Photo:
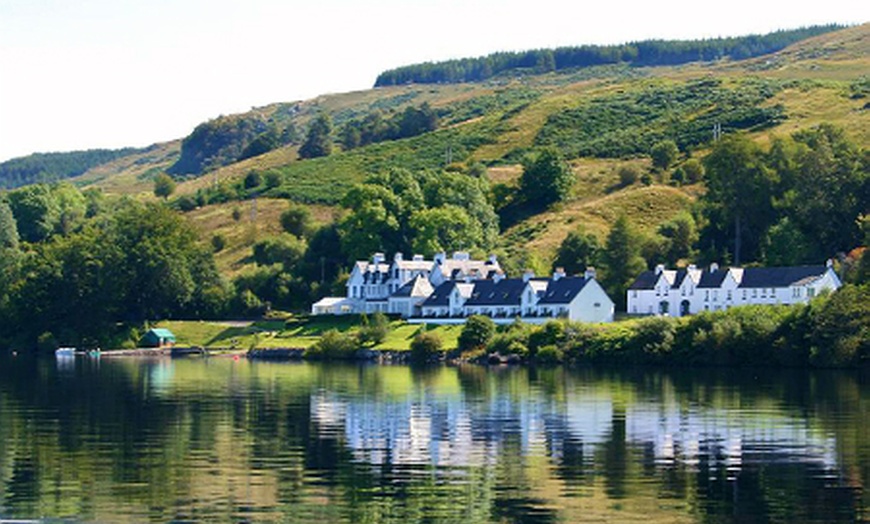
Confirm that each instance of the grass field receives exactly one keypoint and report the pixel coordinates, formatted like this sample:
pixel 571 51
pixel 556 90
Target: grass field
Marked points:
pixel 296 332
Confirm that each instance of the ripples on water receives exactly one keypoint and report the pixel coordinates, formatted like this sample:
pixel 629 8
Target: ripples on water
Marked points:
pixel 218 440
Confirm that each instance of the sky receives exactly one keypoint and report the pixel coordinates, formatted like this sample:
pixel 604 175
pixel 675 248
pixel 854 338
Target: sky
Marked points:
pixel 83 74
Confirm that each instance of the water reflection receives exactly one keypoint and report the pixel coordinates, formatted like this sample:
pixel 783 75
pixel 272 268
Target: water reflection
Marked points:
pixel 217 440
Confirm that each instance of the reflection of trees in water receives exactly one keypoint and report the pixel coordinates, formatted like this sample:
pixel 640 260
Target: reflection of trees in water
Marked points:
pixel 506 444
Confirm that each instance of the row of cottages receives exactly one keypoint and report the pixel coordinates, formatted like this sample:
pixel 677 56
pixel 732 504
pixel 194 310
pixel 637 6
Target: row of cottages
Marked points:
pixel 691 290
pixel 534 300
pixel 400 286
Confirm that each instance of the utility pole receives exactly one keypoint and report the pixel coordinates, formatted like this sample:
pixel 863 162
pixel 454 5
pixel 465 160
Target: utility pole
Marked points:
pixel 717 131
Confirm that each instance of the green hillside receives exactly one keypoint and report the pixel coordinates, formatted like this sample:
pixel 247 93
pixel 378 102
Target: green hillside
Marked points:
pixel 603 117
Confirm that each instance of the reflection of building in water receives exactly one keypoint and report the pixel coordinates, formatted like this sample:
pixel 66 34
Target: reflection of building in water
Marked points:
pixel 456 432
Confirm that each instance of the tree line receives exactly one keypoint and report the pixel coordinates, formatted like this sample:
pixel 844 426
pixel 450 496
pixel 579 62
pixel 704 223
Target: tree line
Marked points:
pixel 645 53
pixel 50 167
pixel 81 270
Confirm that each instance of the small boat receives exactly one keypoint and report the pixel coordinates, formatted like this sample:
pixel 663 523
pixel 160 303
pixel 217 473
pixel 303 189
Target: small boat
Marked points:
pixel 65 352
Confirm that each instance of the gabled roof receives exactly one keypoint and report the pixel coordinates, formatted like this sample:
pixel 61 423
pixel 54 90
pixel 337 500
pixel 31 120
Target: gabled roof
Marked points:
pixel 440 296
pixel 161 332
pixel 563 291
pixel 759 277
pixel 646 280
pixel 505 292
pixel 712 279
pixel 418 286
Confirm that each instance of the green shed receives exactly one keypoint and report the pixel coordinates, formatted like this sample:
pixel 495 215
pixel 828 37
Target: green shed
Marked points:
pixel 157 338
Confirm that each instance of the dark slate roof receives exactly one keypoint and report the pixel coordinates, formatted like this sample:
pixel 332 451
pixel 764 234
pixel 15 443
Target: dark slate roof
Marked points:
pixel 441 296
pixel 681 275
pixel 758 277
pixel 712 279
pixel 563 291
pixel 646 280
pixel 491 293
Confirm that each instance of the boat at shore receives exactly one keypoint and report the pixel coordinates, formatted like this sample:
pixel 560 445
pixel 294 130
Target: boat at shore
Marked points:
pixel 65 352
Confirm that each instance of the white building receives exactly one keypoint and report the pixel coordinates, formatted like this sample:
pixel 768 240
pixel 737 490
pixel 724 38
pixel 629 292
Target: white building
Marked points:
pixel 687 291
pixel 534 300
pixel 399 287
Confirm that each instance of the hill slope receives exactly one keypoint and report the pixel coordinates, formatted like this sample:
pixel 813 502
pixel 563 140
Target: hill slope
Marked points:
pixel 603 118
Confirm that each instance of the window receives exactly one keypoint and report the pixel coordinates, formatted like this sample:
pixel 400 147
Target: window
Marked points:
pixel 715 295
pixel 706 295
pixel 683 291
pixel 811 292
pixel 764 292
pixel 744 294
pixel 633 294
pixel 729 294
pixel 754 293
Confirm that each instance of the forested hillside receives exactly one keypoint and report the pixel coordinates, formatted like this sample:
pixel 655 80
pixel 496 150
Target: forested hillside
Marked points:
pixel 48 167
pixel 646 53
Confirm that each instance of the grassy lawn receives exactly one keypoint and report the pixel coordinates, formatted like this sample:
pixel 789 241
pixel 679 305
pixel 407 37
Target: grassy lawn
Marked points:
pixel 297 332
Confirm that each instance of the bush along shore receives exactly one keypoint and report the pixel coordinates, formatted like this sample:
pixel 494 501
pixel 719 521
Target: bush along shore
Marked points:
pixel 832 331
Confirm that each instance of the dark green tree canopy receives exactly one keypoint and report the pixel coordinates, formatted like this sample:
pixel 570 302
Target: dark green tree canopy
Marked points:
pixel 8 228
pixel 318 141
pixel 622 259
pixel 664 154
pixel 578 251
pixel 546 178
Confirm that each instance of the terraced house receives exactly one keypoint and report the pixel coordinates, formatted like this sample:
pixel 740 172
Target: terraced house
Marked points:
pixel 679 292
pixel 534 300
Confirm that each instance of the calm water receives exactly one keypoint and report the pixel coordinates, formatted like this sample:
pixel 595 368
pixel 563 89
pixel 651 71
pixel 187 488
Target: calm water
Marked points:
pixel 223 441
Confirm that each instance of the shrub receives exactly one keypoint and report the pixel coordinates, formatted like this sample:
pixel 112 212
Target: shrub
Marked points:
pixel 374 332
pixel 693 170
pixel 549 354
pixel 476 333
pixel 628 175
pixel 253 179
pixel 218 243
pixel 664 154
pixel 333 344
pixel 425 347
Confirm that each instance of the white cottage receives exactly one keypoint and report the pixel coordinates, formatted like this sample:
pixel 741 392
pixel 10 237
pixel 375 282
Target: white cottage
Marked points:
pixel 686 291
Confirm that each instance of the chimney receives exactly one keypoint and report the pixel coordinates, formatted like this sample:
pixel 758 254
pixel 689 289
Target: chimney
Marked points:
pixel 692 267
pixel 461 255
pixel 397 257
pixel 659 269
pixel 558 273
pixel 378 258
pixel 829 262
pixel 498 276
pixel 528 275
pixel 440 257
pixel 714 267
pixel 493 260
pixel 418 258
pixel 590 272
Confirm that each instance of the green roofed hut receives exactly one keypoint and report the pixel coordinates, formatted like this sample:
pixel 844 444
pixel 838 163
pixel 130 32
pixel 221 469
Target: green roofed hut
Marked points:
pixel 158 338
